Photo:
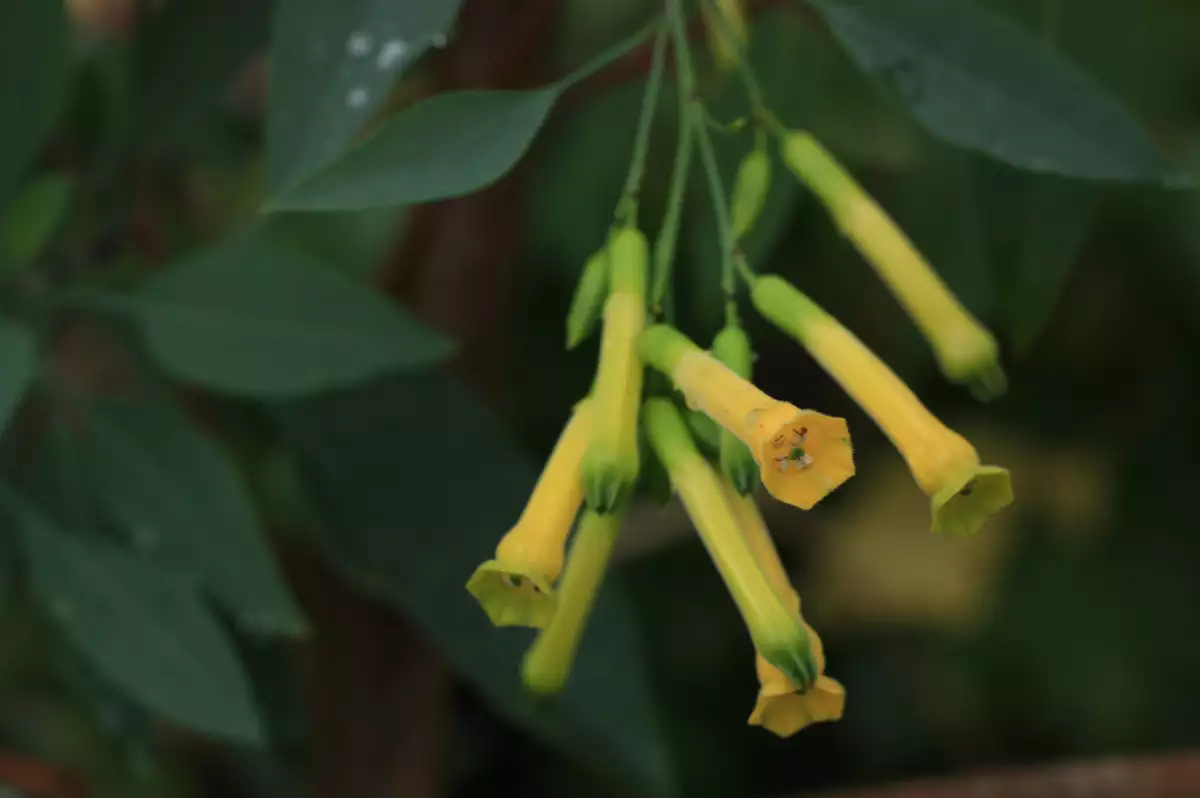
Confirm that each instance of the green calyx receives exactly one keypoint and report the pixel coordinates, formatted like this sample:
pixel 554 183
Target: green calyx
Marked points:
pixel 750 189
pixel 782 304
pixel 790 650
pixel 732 347
pixel 662 347
pixel 816 167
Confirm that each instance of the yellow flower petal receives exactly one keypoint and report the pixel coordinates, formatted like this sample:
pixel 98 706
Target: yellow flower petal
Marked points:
pixel 783 710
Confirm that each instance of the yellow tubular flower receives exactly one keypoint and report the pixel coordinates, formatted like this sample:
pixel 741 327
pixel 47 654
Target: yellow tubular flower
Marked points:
pixel 777 632
pixel 966 352
pixel 515 589
pixel 548 662
pixel 802 455
pixel 781 707
pixel 963 492
pixel 610 467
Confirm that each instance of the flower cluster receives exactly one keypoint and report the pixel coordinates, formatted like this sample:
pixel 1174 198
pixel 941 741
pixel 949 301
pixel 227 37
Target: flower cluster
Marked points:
pixel 727 436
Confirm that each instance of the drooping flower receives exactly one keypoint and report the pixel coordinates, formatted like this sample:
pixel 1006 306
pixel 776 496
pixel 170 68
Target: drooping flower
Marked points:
pixel 966 352
pixel 802 455
pixel 548 662
pixel 516 588
pixel 610 467
pixel 778 634
pixel 963 492
pixel 781 706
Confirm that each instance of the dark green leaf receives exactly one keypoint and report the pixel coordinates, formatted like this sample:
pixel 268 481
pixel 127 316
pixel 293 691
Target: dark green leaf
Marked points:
pixel 446 146
pixel 938 205
pixel 187 56
pixel 353 243
pixel 333 63
pixel 33 80
pixel 32 219
pixel 18 366
pixel 177 497
pixel 1055 219
pixel 255 319
pixel 145 629
pixel 421 482
pixel 979 81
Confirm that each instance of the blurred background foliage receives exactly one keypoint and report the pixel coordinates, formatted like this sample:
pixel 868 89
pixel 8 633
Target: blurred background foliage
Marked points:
pixel 235 567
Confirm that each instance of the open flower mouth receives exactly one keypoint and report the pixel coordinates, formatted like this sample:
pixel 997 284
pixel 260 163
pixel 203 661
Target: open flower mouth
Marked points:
pixel 965 502
pixel 803 455
pixel 512 595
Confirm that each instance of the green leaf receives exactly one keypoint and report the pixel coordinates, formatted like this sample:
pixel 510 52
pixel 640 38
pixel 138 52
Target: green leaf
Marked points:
pixel 34 60
pixel 333 63
pixel 18 366
pixel 1054 222
pixel 32 218
pixel 177 497
pixel 446 146
pixel 938 205
pixel 186 56
pixel 255 319
pixel 979 81
pixel 420 482
pixel 145 629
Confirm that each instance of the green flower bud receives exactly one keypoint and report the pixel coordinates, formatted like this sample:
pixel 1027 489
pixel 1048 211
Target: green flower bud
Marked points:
pixel 588 302
pixel 750 191
pixel 732 347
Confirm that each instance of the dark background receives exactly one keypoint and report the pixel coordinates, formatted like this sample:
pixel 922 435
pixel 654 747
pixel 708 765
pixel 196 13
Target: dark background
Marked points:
pixel 1065 631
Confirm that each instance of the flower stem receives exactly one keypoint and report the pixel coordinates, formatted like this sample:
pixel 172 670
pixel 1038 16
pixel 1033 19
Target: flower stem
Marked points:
pixel 698 120
pixel 668 237
pixel 754 92
pixel 628 204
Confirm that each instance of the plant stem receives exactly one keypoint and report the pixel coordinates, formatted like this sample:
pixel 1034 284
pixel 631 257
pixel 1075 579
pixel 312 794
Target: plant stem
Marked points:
pixel 698 121
pixel 668 237
pixel 628 204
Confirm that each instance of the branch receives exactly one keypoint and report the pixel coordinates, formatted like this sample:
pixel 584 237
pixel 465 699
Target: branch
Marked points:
pixel 1168 776
pixel 37 779
pixel 637 63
